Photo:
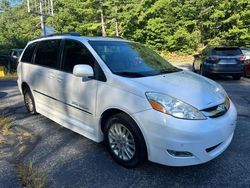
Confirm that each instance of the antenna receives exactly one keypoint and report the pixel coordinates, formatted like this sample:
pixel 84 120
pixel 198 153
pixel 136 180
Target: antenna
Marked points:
pixel 43 8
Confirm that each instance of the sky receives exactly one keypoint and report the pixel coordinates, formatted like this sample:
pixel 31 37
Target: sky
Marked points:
pixel 15 2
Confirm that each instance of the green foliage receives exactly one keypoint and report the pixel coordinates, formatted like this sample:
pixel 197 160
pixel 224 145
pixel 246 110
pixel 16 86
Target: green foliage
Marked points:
pixel 17 27
pixel 165 25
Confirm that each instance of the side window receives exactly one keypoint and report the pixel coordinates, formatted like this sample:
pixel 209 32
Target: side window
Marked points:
pixel 75 53
pixel 28 53
pixel 48 53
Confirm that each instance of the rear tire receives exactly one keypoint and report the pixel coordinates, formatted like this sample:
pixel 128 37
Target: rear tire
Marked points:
pixel 194 68
pixel 125 141
pixel 236 77
pixel 29 101
pixel 202 72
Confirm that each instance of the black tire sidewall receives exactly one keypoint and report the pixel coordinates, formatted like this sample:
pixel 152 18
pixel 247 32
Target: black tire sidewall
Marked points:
pixel 140 151
pixel 202 71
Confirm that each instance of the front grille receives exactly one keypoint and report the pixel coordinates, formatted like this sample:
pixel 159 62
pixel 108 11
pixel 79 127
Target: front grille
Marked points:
pixel 217 110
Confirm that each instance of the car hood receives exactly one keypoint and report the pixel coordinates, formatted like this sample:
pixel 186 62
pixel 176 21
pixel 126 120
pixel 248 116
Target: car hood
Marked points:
pixel 186 86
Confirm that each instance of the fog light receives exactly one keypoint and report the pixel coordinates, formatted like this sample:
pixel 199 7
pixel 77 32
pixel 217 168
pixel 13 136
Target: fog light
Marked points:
pixel 179 153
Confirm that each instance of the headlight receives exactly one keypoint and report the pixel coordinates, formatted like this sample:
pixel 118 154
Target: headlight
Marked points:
pixel 172 106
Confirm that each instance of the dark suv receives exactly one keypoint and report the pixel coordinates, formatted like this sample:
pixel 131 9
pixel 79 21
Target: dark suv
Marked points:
pixel 14 56
pixel 220 60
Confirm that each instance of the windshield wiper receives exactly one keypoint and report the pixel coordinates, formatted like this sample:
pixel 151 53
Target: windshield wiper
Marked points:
pixel 130 74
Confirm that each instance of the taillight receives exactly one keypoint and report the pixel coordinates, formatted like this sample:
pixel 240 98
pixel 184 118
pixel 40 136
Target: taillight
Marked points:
pixel 212 58
pixel 242 58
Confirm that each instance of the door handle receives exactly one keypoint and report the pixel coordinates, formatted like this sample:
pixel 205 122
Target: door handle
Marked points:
pixel 59 79
pixel 51 76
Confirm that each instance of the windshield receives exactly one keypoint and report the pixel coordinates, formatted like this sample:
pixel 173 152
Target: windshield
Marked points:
pixel 19 52
pixel 131 59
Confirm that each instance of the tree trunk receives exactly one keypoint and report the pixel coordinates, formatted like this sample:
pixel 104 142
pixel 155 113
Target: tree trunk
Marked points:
pixel 102 21
pixel 116 23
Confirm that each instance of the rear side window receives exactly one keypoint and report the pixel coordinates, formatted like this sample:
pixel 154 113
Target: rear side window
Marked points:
pixel 28 53
pixel 226 52
pixel 75 53
pixel 48 53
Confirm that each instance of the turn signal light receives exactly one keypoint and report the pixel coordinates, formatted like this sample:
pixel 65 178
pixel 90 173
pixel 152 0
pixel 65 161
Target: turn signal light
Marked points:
pixel 158 107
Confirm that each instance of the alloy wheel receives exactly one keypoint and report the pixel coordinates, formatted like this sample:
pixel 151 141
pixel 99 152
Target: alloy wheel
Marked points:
pixel 121 141
pixel 28 102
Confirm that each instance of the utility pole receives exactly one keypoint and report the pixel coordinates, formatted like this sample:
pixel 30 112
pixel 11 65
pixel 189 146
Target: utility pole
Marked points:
pixel 43 18
pixel 43 8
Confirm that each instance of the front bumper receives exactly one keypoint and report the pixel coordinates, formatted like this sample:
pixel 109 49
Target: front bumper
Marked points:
pixel 226 69
pixel 198 137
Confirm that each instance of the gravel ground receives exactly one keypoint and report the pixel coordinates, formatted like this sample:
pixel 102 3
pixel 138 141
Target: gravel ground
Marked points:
pixel 71 160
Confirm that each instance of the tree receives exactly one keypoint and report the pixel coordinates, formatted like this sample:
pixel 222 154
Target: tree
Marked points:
pixel 17 27
pixel 165 25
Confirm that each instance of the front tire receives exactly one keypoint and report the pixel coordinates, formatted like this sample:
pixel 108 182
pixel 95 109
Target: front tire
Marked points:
pixel 125 141
pixel 29 101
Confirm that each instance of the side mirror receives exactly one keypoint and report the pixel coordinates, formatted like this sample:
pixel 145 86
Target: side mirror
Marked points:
pixel 84 71
pixel 196 56
pixel 15 57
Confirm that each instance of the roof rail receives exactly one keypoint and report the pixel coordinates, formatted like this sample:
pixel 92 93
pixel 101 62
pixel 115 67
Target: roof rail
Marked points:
pixel 64 33
pixel 61 34
pixel 114 36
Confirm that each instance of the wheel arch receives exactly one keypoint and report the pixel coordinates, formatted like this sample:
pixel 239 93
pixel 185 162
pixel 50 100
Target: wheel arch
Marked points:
pixel 24 86
pixel 108 113
pixel 112 111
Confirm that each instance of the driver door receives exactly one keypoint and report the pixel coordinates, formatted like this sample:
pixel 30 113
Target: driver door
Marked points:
pixel 77 94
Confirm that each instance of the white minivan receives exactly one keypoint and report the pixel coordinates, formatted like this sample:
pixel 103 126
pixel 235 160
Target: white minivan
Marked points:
pixel 123 93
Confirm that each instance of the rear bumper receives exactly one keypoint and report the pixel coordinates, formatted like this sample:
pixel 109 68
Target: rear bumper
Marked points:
pixel 226 69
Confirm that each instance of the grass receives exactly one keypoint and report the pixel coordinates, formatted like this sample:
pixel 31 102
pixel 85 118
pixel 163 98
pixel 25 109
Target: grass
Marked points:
pixel 30 176
pixel 175 58
pixel 9 76
pixel 5 125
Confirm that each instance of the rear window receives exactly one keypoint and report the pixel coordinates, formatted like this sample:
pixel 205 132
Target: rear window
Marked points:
pixel 28 53
pixel 226 52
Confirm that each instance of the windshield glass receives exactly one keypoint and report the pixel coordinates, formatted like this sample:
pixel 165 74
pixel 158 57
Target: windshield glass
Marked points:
pixel 131 59
pixel 19 52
